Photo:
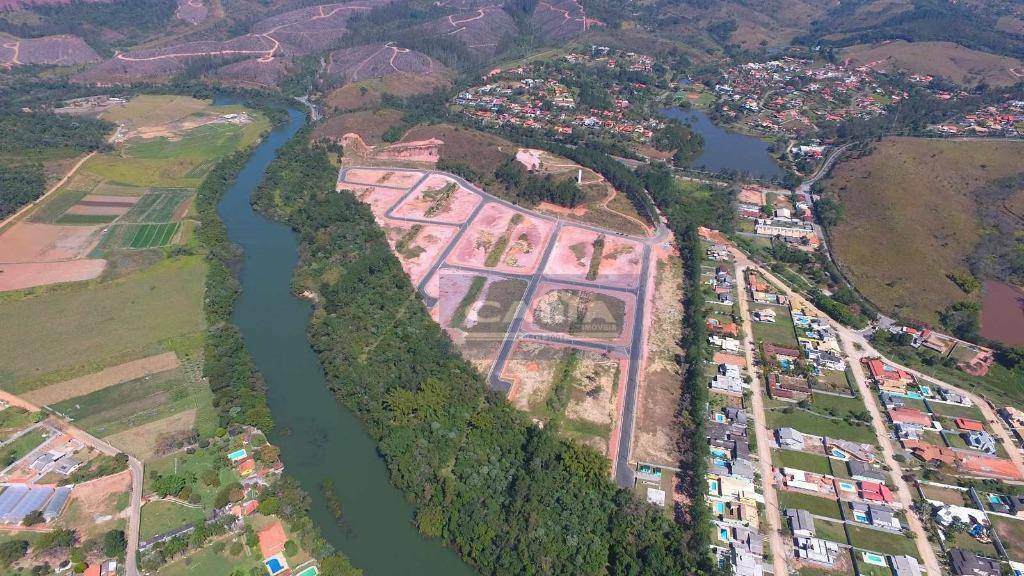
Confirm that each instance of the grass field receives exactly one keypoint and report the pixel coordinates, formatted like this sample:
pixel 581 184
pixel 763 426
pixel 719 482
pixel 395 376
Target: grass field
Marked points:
pixel 947 59
pixel 70 330
pixel 203 459
pixel 964 540
pixel 947 495
pixel 207 562
pixel 801 461
pixel 134 403
pixel 17 449
pixel 1011 532
pixel 832 531
pixel 779 332
pixel 819 425
pixel 880 541
pixel 957 411
pixel 815 505
pixel 13 419
pixel 932 184
pixel 162 516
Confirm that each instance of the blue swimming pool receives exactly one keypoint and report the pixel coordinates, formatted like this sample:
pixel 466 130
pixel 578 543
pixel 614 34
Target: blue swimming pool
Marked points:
pixel 237 454
pixel 847 487
pixel 719 507
pixel 876 559
pixel 786 364
pixel 274 564
pixel 995 499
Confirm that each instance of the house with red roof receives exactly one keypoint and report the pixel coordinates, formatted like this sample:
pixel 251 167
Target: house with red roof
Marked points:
pixel 969 425
pixel 910 416
pixel 247 467
pixel 990 467
pixel 875 492
pixel 272 539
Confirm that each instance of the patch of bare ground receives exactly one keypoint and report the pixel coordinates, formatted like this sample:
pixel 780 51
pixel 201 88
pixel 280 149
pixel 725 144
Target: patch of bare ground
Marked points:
pixel 156 438
pixel 531 367
pixel 105 378
pixel 591 413
pixel 949 60
pixel 656 439
pixel 367 93
pixel 98 505
pixel 381 60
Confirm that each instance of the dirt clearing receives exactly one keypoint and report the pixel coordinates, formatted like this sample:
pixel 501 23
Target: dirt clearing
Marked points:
pixel 32 274
pixel 144 442
pixel 105 378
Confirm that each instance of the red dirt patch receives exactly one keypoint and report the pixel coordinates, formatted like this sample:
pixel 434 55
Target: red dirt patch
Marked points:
pixel 556 305
pixel 35 242
pixel 574 249
pixel 1002 313
pixel 420 248
pixel 31 274
pixel 382 177
pixel 441 199
pixel 524 240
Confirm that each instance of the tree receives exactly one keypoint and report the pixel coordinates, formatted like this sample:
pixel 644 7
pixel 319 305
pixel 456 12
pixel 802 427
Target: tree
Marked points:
pixel 12 551
pixel 338 566
pixel 114 543
pixel 33 518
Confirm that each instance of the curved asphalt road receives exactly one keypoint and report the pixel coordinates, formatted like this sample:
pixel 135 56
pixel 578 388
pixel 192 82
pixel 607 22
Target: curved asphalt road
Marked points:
pixel 624 473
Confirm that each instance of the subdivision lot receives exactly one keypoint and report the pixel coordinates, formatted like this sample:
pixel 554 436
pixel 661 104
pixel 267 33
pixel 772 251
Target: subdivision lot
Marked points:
pixel 617 263
pixel 1011 532
pixel 813 504
pixel 162 516
pixel 477 313
pixel 805 461
pixel 819 424
pixel 504 239
pixel 881 541
pixel 98 505
pixel 440 199
pixel 382 177
pixel 67 331
pixel 417 246
pixel 605 316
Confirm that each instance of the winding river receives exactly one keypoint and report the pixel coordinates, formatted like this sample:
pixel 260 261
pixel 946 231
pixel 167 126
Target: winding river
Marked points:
pixel 319 439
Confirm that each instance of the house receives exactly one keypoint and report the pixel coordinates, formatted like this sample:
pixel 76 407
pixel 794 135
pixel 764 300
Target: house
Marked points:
pixel 931 453
pixel 746 564
pixel 795 478
pixel 728 385
pixel 67 465
pixel 910 416
pixel 981 441
pixel 771 351
pixel 826 360
pixel 904 565
pixel 863 471
pixel 800 521
pixel 906 431
pixel 272 539
pixel 730 345
pixel 969 425
pixel 816 550
pixel 990 467
pixel 741 468
pixel 767 315
pixel 725 298
pixel 746 540
pixel 730 329
pixel 1013 416
pixel 875 492
pixel 967 563
pixel 950 395
pixel 789 438
pixel 847 450
pixel 890 400
pixel 888 378
pixel 788 387
pixel 875 515
pixel 946 514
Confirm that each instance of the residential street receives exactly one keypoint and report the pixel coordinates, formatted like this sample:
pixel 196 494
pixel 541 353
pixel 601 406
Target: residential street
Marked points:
pixel 761 431
pixel 902 489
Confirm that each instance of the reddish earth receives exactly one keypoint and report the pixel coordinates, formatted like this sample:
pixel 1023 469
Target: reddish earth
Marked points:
pixel 559 19
pixel 453 210
pixel 254 72
pixel 380 199
pixel 383 177
pixel 421 251
pixel 62 50
pixel 597 314
pixel 16 4
pixel 620 262
pixel 1002 313
pixel 378 61
pixel 480 29
pixel 526 242
pixel 34 242
pixel 30 274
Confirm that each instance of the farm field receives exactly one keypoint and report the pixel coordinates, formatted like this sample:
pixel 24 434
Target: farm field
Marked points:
pixel 71 330
pixel 931 183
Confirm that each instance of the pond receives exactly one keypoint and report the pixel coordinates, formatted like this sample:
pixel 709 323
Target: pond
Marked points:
pixel 725 150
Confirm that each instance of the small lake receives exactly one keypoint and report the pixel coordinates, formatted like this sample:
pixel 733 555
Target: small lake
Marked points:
pixel 318 438
pixel 725 150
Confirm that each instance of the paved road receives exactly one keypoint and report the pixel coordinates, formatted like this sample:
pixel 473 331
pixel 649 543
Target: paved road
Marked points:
pixel 903 492
pixel 623 471
pixel 780 549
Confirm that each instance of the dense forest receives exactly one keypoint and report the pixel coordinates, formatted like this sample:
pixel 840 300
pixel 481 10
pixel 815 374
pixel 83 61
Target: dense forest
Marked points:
pixel 101 24
pixel 29 132
pixel 19 185
pixel 510 497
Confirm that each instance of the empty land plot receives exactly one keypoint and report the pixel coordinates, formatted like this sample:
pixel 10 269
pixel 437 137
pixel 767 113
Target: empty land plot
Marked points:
pixel 14 420
pixel 881 541
pixel 657 436
pixel 477 311
pixel 582 313
pixel 103 379
pixel 378 198
pixel 503 239
pixel 814 504
pixel 70 330
pixel 147 110
pixel 188 464
pixel 956 411
pixel 133 403
pixel 581 254
pixel 147 441
pixel 441 199
pixel 805 461
pixel 932 184
pixel 98 505
pixel 947 495
pixel 780 332
pixel 162 516
pixel 1011 532
pixel 418 246
pixel 819 424
pixel 383 177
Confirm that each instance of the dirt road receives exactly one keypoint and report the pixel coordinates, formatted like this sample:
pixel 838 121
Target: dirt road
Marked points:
pixel 761 432
pixel 903 491
pixel 51 190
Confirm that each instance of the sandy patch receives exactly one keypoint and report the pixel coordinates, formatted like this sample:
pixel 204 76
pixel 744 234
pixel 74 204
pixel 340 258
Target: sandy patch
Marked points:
pixel 34 242
pixel 587 314
pixel 417 246
pixel 105 378
pixel 518 237
pixel 380 199
pixel 529 158
pixel 441 199
pixel 595 399
pixel 93 506
pixel 143 442
pixel 30 274
pixel 621 259
pixel 531 368
pixel 383 177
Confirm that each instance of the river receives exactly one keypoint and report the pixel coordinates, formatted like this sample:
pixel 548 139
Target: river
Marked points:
pixel 318 438
pixel 725 150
